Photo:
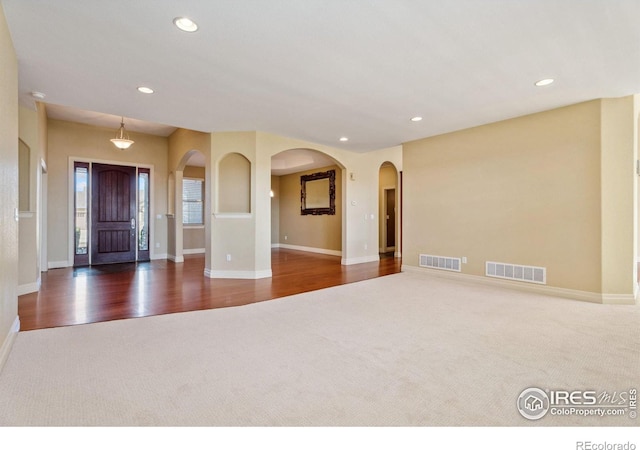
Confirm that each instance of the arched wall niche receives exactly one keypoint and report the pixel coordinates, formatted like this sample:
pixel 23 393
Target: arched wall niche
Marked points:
pixel 233 184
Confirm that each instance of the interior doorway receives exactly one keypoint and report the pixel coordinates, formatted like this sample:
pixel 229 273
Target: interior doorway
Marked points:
pixel 189 206
pixel 390 220
pixel 389 211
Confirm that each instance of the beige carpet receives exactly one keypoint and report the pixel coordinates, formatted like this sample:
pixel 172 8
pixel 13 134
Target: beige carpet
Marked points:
pixel 406 349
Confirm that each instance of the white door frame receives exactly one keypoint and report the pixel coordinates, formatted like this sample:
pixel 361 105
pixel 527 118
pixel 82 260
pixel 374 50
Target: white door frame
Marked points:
pixel 71 213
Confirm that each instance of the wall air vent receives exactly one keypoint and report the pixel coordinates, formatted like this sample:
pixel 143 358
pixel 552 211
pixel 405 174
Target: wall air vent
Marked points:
pixel 440 262
pixel 529 274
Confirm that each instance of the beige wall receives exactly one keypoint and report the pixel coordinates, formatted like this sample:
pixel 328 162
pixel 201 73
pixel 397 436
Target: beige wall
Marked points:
pixel 29 239
pixel 182 142
pixel 8 190
pixel 618 158
pixel 193 239
pixel 636 108
pixel 42 184
pixel 24 174
pixel 321 232
pixel 275 210
pixel 233 234
pixel 28 267
pixel 193 172
pixel 529 191
pixel 73 140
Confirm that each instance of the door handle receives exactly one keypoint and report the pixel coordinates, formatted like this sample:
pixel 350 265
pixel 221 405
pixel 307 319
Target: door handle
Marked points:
pixel 133 223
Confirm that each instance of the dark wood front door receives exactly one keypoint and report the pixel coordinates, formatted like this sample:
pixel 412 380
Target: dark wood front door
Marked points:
pixel 113 214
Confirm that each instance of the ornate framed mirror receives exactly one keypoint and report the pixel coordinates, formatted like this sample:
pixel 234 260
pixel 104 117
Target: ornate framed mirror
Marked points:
pixel 318 193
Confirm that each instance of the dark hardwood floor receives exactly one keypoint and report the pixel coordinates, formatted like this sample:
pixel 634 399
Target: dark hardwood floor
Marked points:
pixel 120 291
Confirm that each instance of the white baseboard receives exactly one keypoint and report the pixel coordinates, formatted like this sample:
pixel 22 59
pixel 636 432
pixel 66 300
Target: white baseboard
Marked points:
pixel 24 289
pixel 592 297
pixel 58 264
pixel 619 299
pixel 302 248
pixel 238 274
pixel 5 349
pixel 193 251
pixel 159 256
pixel 360 260
pixel 175 259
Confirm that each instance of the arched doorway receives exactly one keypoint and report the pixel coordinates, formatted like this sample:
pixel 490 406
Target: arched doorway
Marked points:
pixel 188 217
pixel 322 230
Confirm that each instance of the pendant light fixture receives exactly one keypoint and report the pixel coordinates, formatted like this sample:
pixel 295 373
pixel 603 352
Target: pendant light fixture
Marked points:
pixel 122 140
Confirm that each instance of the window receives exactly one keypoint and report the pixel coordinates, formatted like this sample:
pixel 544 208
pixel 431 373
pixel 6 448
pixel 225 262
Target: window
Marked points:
pixel 143 213
pixel 81 203
pixel 192 201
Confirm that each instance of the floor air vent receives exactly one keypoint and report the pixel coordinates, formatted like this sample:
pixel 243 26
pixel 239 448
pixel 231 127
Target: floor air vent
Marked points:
pixel 529 274
pixel 440 262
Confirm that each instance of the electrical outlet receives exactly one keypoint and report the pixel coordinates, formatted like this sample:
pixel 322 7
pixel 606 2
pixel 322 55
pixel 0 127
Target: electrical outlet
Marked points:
pixel 464 260
pixel 228 257
pixel 286 237
pixel 157 244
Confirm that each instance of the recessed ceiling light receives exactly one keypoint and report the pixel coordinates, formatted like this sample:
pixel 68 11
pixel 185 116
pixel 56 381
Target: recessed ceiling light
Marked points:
pixel 416 119
pixel 545 82
pixel 36 94
pixel 145 90
pixel 344 139
pixel 185 24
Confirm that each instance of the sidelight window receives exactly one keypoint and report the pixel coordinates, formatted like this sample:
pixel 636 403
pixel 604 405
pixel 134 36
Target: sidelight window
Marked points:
pixel 143 212
pixel 81 213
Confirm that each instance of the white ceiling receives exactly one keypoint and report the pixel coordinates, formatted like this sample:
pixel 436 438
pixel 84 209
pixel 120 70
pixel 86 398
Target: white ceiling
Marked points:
pixel 321 69
pixel 106 120
pixel 297 160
